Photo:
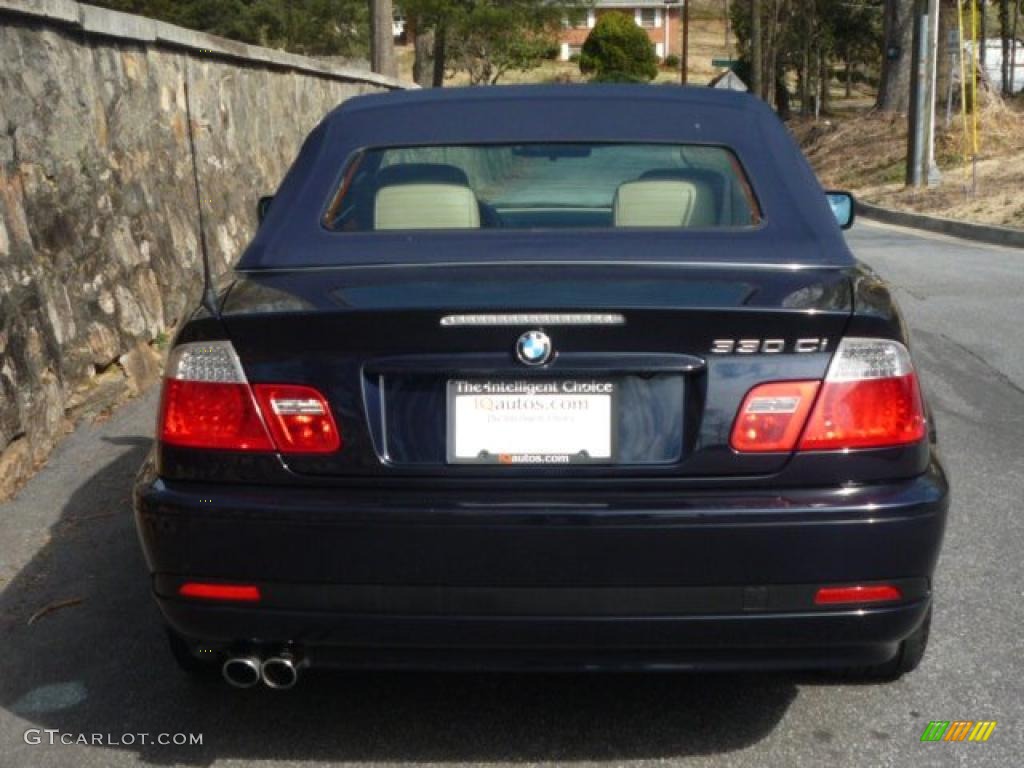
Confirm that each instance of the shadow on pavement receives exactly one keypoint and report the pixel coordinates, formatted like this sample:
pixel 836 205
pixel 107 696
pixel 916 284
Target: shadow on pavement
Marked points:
pixel 102 666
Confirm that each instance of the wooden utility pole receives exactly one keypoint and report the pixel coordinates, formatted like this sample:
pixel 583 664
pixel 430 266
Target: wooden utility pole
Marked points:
pixel 930 169
pixel 382 41
pixel 915 114
pixel 921 168
pixel 756 61
pixel 686 43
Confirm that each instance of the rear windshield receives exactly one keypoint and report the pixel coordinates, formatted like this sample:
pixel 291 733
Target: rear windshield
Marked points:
pixel 530 186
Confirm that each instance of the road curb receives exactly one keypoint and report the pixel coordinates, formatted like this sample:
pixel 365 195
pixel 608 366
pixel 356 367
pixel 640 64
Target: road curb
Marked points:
pixel 984 233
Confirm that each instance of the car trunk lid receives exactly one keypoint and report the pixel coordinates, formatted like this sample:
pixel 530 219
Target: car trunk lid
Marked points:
pixel 679 346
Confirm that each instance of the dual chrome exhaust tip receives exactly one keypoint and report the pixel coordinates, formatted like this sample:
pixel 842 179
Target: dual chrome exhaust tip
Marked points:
pixel 280 672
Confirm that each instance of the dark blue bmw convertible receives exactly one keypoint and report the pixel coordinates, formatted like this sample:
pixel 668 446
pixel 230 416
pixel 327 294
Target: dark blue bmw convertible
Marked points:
pixel 545 378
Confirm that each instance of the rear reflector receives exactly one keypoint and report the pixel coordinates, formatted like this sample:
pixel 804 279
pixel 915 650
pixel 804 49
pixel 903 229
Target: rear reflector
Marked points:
pixel 772 416
pixel 875 593
pixel 299 418
pixel 207 403
pixel 241 593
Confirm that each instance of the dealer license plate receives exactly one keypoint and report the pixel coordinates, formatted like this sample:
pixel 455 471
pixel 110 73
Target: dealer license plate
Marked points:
pixel 530 421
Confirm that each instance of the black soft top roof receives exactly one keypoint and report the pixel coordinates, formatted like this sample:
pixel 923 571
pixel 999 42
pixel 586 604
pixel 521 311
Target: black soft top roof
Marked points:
pixel 798 226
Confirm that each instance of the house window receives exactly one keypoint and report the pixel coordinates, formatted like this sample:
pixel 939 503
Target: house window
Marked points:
pixel 568 51
pixel 648 17
pixel 579 20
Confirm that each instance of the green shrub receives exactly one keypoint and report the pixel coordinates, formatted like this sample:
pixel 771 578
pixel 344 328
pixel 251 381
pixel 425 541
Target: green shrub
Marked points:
pixel 617 50
pixel 671 61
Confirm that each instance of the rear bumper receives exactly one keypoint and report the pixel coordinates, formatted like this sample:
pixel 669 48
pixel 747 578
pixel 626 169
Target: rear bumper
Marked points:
pixel 714 641
pixel 662 580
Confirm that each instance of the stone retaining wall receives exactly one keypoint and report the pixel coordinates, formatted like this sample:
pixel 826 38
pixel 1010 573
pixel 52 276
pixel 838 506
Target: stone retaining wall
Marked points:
pixel 99 249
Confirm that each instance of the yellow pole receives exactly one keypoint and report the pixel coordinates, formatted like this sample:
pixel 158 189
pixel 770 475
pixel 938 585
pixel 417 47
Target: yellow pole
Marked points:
pixel 963 81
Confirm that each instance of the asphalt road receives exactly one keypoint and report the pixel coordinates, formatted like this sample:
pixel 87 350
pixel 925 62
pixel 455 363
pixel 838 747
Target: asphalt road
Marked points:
pixel 100 666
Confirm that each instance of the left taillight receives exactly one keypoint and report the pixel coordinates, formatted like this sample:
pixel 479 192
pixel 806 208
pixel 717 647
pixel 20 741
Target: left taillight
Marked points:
pixel 208 403
pixel 299 418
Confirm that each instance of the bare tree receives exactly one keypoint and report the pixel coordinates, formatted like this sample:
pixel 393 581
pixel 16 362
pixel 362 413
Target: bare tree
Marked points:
pixel 756 59
pixel 727 46
pixel 382 40
pixel 1013 46
pixel 894 86
pixel 824 76
pixel 440 55
pixel 982 30
pixel 423 63
pixel 1004 34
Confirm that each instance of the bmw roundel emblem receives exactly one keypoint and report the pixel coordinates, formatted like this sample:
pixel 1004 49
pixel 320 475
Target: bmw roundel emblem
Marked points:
pixel 534 348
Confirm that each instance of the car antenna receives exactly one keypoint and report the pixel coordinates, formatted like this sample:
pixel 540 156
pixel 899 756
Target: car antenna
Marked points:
pixel 209 298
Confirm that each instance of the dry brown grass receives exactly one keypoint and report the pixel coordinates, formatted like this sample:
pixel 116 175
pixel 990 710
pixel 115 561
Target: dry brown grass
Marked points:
pixel 866 154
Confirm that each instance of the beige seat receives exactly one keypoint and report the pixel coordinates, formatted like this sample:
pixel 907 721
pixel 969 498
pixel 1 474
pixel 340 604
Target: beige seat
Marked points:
pixel 426 206
pixel 664 203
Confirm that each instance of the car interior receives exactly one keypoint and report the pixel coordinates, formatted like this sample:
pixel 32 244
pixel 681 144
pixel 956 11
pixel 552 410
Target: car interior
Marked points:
pixel 437 195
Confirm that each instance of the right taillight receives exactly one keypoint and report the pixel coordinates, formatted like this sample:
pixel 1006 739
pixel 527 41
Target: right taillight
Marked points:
pixel 870 399
pixel 208 403
pixel 772 416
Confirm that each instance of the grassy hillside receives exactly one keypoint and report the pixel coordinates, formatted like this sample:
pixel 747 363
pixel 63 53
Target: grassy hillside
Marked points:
pixel 866 153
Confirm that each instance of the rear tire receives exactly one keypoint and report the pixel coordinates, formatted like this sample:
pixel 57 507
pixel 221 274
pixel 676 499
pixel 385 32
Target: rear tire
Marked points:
pixel 196 668
pixel 907 658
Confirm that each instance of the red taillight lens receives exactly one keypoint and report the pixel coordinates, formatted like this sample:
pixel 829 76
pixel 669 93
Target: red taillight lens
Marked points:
pixel 866 414
pixel 242 593
pixel 299 418
pixel 207 403
pixel 208 414
pixel 870 398
pixel 772 416
pixel 873 593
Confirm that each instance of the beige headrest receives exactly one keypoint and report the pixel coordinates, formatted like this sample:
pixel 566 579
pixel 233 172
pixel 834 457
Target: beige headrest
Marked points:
pixel 664 203
pixel 426 206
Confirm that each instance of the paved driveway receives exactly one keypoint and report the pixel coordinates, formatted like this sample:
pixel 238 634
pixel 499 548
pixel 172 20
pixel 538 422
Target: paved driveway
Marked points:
pixel 99 666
